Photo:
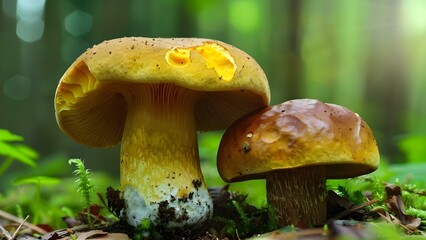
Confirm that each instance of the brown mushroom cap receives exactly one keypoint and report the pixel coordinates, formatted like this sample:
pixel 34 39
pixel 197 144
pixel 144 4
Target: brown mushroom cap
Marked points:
pixel 89 101
pixel 298 133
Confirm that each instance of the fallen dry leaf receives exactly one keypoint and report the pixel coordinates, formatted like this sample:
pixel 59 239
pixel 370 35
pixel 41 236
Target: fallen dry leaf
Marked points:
pixel 99 234
pixel 302 234
pixel 396 205
pixel 89 234
pixel 114 236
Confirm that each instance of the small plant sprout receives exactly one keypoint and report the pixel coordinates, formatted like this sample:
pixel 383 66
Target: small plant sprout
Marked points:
pixel 84 182
pixel 38 182
pixel 245 220
pixel 146 230
pixel 11 150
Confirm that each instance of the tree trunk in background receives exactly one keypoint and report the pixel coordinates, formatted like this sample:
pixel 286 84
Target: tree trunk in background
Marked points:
pixel 294 62
pixel 385 70
pixel 186 22
pixel 114 23
pixel 367 48
pixel 285 49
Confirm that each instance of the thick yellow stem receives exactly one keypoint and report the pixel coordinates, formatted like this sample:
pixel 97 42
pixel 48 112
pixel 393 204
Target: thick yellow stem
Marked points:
pixel 159 158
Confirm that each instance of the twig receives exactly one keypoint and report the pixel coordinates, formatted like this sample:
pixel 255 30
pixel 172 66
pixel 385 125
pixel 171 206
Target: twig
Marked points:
pixel 5 233
pixel 12 218
pixel 354 208
pixel 19 227
pixel 389 220
pixel 312 233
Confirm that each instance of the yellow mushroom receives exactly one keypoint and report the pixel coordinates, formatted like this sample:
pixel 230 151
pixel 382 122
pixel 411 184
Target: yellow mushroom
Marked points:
pixel 153 95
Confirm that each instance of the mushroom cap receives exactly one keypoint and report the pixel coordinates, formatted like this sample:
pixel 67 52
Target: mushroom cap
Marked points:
pixel 297 133
pixel 90 105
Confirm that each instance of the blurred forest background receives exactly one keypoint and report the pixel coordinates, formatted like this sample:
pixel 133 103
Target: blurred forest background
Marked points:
pixel 369 56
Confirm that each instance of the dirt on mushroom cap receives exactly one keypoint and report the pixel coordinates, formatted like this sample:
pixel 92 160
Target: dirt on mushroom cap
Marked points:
pixel 153 95
pixel 232 83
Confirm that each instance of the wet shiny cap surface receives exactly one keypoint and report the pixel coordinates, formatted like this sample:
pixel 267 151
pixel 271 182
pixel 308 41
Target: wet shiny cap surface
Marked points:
pixel 298 133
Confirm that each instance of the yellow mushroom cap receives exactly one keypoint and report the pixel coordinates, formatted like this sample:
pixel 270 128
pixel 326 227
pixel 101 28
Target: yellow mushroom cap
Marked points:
pixel 89 102
pixel 298 133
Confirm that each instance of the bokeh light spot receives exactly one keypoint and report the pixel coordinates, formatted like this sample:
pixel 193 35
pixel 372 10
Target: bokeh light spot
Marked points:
pixel 78 23
pixel 30 30
pixel 244 15
pixel 30 25
pixel 30 8
pixel 17 87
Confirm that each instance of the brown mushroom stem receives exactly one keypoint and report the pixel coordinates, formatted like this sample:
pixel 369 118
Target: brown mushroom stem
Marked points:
pixel 298 196
pixel 159 153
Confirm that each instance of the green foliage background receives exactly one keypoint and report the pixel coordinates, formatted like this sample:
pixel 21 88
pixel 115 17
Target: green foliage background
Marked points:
pixel 366 55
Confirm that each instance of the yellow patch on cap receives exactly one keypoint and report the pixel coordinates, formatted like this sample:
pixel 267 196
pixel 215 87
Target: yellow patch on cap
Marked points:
pixel 178 57
pixel 216 56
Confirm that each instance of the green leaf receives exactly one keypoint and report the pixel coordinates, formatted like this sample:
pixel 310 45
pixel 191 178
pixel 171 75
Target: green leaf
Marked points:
pixel 27 151
pixel 17 152
pixel 412 171
pixel 42 180
pixel 6 136
pixel 21 153
pixel 414 148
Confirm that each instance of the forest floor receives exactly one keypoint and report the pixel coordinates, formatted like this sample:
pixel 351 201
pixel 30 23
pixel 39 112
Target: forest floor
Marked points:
pixel 235 219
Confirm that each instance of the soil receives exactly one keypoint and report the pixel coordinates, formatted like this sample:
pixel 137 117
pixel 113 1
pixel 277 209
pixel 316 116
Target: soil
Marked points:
pixel 233 218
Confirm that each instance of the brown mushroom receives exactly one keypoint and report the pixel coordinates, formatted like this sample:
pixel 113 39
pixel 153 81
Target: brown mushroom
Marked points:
pixel 296 146
pixel 153 95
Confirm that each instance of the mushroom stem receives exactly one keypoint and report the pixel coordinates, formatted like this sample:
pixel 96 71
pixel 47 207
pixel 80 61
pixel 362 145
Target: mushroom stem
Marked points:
pixel 159 169
pixel 298 196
